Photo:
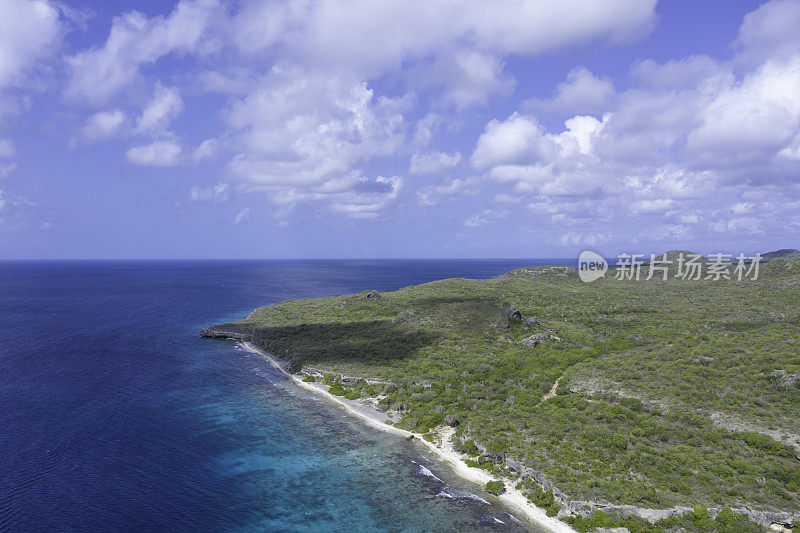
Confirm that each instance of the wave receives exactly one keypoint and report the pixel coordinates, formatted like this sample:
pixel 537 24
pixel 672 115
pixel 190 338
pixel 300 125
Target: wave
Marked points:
pixel 450 492
pixel 425 472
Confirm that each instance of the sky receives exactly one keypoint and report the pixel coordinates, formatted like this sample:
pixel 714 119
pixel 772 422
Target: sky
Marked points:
pixel 380 129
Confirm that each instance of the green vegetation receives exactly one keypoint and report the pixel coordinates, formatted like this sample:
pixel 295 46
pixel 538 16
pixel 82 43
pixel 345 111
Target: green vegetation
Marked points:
pixel 539 497
pixel 469 448
pixel 309 379
pixel 352 395
pixel 698 520
pixel 664 393
pixel 337 390
pixel 495 487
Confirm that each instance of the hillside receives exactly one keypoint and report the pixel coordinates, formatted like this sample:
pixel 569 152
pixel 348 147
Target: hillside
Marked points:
pixel 786 253
pixel 654 393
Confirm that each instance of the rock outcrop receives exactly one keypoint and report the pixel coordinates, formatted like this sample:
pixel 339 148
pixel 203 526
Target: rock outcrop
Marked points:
pixel 511 312
pixel 237 332
pixel 370 295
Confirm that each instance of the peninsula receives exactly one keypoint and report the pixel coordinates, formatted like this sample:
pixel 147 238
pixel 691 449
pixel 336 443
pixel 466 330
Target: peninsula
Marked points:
pixel 652 404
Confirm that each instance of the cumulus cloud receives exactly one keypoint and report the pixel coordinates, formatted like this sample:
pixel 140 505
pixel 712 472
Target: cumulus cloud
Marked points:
pixel 103 124
pixel 164 153
pixel 28 29
pixel 218 193
pixel 6 148
pixel 206 150
pixel 165 105
pixel 242 216
pixel 685 130
pixel 753 119
pixel 572 238
pixel 302 130
pixel 301 136
pixel 519 149
pixel 336 30
pixel 582 92
pixel 487 216
pixel 770 32
pixel 432 195
pixel 433 162
pixel 304 116
pixel 133 42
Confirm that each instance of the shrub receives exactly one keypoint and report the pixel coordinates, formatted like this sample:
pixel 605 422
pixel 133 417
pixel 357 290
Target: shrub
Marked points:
pixel 352 395
pixel 309 379
pixel 495 487
pixel 469 448
pixel 337 390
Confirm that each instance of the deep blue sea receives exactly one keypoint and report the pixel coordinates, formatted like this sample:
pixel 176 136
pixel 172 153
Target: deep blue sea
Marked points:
pixel 116 416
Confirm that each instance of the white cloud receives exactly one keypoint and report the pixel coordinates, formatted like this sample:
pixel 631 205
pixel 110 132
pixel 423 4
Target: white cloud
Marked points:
pixel 519 150
pixel 432 195
pixel 368 197
pixel 487 216
pixel 685 132
pixel 755 118
pixel 770 32
pixel 28 30
pixel 206 150
pixel 135 41
pixel 582 92
pixel 6 148
pixel 583 239
pixel 335 31
pixel 165 105
pixel 517 139
pixel 433 162
pixel 467 78
pixel 103 124
pixel 300 137
pixel 218 193
pixel 163 153
pixel 304 118
pixel 7 169
pixel 242 216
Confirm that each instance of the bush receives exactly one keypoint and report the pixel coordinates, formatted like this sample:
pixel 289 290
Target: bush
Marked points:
pixel 309 379
pixel 337 390
pixel 469 448
pixel 598 519
pixel 495 487
pixel 353 395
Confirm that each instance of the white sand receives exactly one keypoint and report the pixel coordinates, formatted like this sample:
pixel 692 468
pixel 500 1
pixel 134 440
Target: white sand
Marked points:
pixel 444 450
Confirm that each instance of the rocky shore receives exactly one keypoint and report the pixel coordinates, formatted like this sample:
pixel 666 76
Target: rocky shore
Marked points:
pixel 249 336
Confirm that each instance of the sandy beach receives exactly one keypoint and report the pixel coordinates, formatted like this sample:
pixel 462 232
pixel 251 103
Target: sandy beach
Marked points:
pixel 443 449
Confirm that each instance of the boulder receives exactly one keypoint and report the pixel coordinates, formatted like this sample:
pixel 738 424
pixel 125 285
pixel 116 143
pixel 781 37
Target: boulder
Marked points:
pixel 532 321
pixel 511 311
pixel 451 421
pixel 535 339
pixel 371 295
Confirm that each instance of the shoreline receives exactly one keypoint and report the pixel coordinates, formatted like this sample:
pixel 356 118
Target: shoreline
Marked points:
pixel 511 498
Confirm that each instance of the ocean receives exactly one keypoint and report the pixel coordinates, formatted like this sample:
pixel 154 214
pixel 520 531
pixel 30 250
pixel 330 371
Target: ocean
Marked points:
pixel 116 416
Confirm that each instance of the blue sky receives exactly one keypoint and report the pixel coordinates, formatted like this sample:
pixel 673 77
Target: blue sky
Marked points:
pixel 339 128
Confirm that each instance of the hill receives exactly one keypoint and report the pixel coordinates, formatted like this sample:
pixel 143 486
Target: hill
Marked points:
pixel 786 253
pixel 650 393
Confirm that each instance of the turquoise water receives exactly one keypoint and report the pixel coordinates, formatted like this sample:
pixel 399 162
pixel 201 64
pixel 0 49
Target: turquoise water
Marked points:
pixel 117 416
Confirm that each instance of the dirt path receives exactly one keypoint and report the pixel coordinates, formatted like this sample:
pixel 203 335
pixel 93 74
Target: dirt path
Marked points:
pixel 552 392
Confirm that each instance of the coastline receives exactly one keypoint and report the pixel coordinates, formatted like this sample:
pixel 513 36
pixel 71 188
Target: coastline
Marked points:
pixel 444 451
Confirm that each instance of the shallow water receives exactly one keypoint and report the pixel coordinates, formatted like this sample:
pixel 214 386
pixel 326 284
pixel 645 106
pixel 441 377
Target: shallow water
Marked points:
pixel 116 415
